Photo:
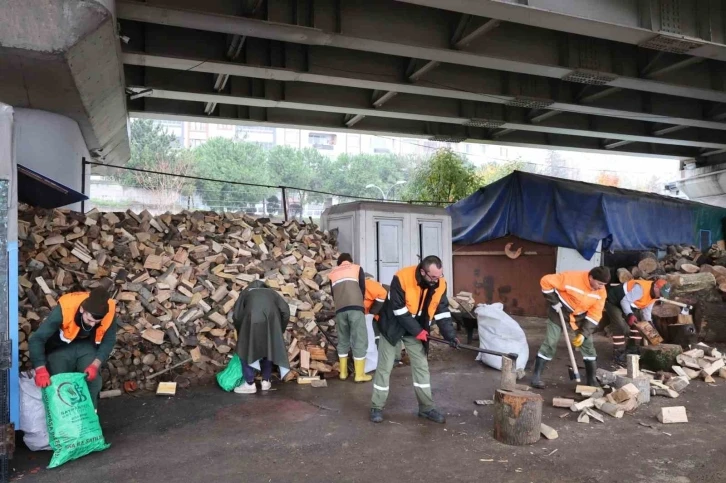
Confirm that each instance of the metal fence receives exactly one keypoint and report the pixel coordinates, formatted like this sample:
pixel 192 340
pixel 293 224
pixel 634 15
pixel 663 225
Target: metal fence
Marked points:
pixel 123 188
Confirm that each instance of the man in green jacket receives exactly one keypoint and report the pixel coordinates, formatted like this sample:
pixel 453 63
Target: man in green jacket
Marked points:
pixel 77 336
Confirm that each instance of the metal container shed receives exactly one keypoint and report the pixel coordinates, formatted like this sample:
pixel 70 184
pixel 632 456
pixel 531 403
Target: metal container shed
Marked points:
pixel 385 237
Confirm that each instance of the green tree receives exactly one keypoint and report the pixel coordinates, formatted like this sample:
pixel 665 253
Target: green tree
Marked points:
pixel 154 149
pixel 445 176
pixel 350 174
pixel 230 160
pixel 491 172
pixel 299 168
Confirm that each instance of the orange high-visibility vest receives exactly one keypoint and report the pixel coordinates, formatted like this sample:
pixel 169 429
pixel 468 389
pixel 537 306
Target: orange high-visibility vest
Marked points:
pixel 574 291
pixel 409 284
pixel 646 299
pixel 346 286
pixel 69 304
pixel 374 293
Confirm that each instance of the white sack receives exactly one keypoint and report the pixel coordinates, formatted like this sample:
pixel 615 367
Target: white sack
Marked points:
pixel 499 332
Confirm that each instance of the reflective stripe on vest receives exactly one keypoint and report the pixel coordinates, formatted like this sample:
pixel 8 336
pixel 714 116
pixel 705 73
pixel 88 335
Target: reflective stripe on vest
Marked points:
pixel 409 284
pixel 69 304
pixel 646 299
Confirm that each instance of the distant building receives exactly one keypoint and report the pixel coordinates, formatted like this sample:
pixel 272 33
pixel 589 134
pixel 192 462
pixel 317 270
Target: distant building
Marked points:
pixel 192 134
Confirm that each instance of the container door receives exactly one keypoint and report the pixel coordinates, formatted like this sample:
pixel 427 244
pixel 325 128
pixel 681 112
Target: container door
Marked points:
pixel 429 239
pixel 389 249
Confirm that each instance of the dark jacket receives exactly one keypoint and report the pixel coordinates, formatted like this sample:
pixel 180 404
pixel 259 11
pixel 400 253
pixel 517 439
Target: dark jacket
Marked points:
pixel 260 317
pixel 47 338
pixel 393 327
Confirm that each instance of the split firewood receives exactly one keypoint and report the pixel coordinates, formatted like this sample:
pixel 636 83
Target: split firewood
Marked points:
pixel 176 279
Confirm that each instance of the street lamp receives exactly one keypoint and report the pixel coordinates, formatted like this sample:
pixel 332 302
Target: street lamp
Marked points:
pixel 385 195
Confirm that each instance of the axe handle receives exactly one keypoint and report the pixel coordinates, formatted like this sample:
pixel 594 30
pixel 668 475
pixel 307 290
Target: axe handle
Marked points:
pixel 512 355
pixel 673 302
pixel 575 372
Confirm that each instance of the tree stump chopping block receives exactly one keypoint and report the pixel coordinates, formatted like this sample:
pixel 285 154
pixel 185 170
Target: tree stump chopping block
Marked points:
pixel 517 417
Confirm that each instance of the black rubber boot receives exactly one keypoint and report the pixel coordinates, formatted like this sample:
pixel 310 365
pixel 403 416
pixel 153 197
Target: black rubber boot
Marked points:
pixel 432 415
pixel 619 357
pixel 590 369
pixel 536 381
pixel 376 415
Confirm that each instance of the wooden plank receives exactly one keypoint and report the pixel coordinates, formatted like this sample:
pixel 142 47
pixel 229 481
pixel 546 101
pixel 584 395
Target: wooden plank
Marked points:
pixel 43 286
pixel 154 336
pixel 673 414
pixel 562 402
pixel 548 431
pixel 304 359
pixel 633 365
pixel 166 389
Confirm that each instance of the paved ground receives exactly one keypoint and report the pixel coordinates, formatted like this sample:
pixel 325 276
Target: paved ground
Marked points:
pixel 298 433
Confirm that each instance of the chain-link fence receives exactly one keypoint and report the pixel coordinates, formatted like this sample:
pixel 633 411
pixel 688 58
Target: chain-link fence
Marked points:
pixel 122 188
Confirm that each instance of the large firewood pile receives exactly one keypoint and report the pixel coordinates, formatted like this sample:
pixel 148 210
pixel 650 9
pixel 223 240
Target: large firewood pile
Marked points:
pixel 176 279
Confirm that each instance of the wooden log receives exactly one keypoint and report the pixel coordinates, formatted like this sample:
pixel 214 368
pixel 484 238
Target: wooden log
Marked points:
pixel 562 402
pixel 624 275
pixel 517 417
pixel 688 283
pixel 649 332
pixel 509 376
pixel 674 414
pixel 659 357
pixel 648 265
pixel 636 387
pixel 690 268
pixel 633 366
pixel 548 431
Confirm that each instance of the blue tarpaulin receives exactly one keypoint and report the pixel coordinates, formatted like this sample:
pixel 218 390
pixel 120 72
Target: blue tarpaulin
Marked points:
pixel 578 215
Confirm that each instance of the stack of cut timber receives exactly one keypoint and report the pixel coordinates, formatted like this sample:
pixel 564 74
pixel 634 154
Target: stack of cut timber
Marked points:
pixel 176 279
pixel 701 362
pixel 697 278
pixel 463 302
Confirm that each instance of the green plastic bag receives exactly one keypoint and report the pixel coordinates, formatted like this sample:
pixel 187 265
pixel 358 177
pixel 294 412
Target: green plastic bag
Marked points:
pixel 73 425
pixel 231 376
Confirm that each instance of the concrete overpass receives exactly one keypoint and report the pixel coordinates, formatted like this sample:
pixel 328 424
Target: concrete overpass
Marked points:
pixel 629 76
pixel 641 77
pixel 60 69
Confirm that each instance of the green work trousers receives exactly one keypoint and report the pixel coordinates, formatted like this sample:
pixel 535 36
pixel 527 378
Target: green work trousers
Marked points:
pixel 399 346
pixel 419 371
pixel 75 357
pixel 352 331
pixel 549 347
pixel 622 334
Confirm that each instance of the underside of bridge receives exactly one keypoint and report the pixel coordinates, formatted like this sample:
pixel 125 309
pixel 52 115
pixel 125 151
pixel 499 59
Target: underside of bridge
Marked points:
pixel 623 76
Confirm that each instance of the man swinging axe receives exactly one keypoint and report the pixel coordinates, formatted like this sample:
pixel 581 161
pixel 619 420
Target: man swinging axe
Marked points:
pixel 580 298
pixel 417 298
pixel 77 336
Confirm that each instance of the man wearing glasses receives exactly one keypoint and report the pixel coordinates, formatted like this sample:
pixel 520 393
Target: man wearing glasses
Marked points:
pixel 77 336
pixel 416 298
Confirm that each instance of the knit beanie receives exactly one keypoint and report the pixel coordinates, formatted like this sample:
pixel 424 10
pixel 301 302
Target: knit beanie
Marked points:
pixel 97 302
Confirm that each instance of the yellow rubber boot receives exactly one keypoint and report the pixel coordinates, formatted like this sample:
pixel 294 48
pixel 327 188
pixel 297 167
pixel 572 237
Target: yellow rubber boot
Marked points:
pixel 360 375
pixel 343 368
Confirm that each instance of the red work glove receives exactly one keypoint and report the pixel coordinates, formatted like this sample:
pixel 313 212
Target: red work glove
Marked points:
pixel 423 336
pixel 42 377
pixel 632 319
pixel 91 372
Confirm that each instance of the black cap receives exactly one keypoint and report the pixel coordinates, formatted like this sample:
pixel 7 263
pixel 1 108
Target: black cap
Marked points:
pixel 97 303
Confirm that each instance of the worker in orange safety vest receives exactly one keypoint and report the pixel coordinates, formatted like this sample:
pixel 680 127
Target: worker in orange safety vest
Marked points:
pixel 580 298
pixel 626 304
pixel 349 288
pixel 78 335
